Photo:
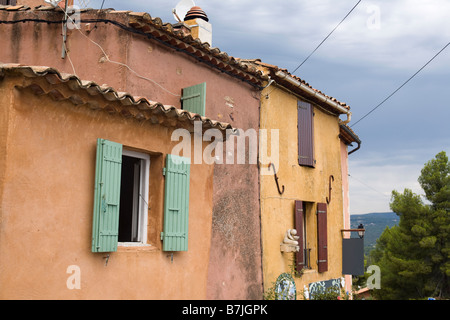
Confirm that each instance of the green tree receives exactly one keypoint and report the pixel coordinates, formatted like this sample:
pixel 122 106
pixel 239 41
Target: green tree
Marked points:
pixel 435 181
pixel 414 256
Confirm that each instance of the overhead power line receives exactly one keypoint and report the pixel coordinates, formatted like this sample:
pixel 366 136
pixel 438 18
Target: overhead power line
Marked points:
pixel 365 184
pixel 327 36
pixel 402 85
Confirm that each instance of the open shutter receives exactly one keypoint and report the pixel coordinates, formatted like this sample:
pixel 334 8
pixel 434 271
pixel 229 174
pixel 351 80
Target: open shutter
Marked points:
pixel 105 229
pixel 176 204
pixel 298 217
pixel 322 239
pixel 305 126
pixel 194 99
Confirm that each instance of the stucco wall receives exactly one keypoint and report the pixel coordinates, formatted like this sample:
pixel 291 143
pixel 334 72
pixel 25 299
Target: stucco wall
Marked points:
pixel 279 111
pixel 346 204
pixel 158 71
pixel 47 207
pixel 235 260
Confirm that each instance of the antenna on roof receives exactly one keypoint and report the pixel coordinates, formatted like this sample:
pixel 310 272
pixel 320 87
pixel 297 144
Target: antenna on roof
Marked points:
pixel 181 9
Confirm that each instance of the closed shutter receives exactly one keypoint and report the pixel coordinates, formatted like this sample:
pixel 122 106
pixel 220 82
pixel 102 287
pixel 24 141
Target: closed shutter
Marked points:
pixel 298 217
pixel 176 204
pixel 322 239
pixel 108 169
pixel 194 99
pixel 305 126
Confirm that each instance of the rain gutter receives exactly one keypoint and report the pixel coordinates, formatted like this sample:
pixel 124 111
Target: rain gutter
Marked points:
pixel 284 76
pixel 353 136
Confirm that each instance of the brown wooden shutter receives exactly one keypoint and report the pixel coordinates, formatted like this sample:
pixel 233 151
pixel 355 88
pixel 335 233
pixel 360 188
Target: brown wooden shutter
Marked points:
pixel 305 126
pixel 322 240
pixel 298 217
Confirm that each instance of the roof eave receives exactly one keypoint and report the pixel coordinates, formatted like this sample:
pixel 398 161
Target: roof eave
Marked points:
pixel 348 137
pixel 121 103
pixel 316 96
pixel 201 51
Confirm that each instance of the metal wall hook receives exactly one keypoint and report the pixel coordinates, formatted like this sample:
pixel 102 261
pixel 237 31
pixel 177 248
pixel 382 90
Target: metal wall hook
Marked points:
pixel 107 259
pixel 331 178
pixel 276 179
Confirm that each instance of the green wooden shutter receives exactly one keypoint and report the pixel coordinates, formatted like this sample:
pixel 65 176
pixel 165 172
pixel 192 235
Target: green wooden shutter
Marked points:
pixel 108 169
pixel 194 99
pixel 176 204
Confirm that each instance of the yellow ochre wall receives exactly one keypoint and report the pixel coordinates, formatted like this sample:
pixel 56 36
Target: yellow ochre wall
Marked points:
pixel 279 111
pixel 47 168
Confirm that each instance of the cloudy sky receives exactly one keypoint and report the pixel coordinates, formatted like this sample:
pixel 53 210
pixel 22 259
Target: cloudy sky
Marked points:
pixel 375 50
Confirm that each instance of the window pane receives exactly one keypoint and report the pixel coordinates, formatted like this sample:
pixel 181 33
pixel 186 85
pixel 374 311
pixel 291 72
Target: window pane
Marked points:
pixel 129 199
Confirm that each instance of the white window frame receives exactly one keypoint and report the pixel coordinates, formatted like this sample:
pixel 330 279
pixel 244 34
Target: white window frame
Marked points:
pixel 142 202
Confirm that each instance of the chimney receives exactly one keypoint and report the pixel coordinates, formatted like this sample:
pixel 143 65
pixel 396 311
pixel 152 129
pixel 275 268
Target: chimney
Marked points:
pixel 197 20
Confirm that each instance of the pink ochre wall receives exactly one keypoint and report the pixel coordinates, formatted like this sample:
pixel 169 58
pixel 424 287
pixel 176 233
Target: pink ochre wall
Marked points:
pixel 145 67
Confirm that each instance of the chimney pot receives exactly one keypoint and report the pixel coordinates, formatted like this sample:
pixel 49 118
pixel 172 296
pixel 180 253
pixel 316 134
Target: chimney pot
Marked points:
pixel 198 21
pixel 196 12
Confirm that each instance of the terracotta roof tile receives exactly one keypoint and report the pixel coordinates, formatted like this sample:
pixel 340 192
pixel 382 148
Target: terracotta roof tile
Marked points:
pixel 127 105
pixel 172 36
pixel 348 134
pixel 167 33
pixel 274 69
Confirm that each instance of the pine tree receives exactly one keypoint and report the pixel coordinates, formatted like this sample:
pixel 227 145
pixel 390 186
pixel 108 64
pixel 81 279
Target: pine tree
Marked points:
pixel 414 256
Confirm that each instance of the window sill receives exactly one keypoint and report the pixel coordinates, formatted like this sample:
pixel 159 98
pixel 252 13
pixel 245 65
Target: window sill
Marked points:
pixel 309 271
pixel 135 247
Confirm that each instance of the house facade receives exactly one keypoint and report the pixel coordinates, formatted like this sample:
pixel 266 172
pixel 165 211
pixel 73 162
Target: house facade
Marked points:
pixel 241 203
pixel 136 53
pixel 89 188
pixel 304 184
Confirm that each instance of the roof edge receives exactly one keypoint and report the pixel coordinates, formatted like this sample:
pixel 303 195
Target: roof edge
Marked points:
pixel 166 33
pixel 124 100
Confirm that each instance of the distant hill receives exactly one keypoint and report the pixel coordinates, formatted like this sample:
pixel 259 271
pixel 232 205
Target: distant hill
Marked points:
pixel 374 223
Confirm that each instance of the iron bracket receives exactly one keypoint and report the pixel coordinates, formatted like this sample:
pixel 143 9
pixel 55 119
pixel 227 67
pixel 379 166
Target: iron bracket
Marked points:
pixel 331 178
pixel 276 179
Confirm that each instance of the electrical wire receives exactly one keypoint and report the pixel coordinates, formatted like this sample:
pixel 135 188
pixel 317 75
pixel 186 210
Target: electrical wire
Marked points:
pixel 368 186
pixel 68 56
pixel 402 85
pixel 103 51
pixel 327 36
pixel 141 33
pixel 116 62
